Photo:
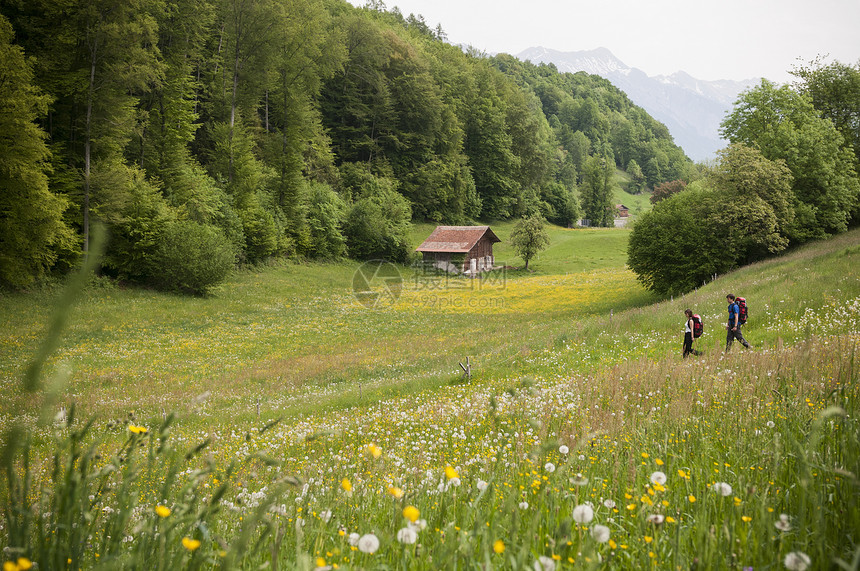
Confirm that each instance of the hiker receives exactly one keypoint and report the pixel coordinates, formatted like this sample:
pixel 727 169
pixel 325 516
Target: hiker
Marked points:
pixel 733 327
pixel 688 334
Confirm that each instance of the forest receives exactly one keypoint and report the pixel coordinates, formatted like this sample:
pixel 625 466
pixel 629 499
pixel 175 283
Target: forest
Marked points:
pixel 203 135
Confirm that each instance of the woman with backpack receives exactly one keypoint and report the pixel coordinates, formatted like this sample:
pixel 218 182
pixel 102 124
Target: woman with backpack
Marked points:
pixel 689 327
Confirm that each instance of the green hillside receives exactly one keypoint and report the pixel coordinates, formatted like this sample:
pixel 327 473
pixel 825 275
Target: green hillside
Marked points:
pixel 578 397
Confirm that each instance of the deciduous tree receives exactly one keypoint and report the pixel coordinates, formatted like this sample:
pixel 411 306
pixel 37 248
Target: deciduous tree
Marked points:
pixel 529 237
pixel 32 231
pixel 783 124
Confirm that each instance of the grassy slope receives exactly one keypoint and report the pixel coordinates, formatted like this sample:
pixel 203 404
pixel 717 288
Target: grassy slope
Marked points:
pixel 637 203
pixel 612 386
pixel 295 329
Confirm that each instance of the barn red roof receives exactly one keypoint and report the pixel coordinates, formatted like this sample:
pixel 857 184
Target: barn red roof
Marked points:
pixel 456 239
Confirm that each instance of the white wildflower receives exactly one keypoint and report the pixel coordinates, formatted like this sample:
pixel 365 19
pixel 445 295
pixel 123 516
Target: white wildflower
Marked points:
pixel 544 563
pixel 658 477
pixel 368 543
pixel 797 561
pixel 579 480
pixel 722 488
pixel 407 535
pixel 600 533
pixel 783 523
pixel 583 513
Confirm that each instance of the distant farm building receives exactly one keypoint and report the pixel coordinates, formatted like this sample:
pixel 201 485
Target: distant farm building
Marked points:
pixel 623 211
pixel 466 249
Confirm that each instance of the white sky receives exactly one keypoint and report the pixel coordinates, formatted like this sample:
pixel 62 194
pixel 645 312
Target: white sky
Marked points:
pixel 723 39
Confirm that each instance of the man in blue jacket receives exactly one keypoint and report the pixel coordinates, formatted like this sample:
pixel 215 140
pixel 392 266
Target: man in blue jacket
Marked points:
pixel 733 327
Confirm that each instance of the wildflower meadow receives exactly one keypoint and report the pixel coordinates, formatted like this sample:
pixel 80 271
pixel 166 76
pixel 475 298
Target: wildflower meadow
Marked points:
pixel 280 424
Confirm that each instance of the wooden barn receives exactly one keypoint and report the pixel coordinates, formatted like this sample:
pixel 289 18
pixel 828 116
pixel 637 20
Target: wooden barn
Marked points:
pixel 623 211
pixel 466 249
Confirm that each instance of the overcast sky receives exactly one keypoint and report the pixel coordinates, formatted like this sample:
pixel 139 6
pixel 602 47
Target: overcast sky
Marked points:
pixel 724 39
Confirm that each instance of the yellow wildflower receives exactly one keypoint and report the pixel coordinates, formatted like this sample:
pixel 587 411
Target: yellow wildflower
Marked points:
pixel 411 513
pixel 190 544
pixel 499 546
pixel 162 511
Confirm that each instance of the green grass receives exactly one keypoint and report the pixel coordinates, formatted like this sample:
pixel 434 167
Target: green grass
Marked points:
pixel 571 250
pixel 637 203
pixel 297 327
pixel 574 354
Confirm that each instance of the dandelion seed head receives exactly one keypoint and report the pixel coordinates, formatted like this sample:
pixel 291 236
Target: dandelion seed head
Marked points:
pixel 407 535
pixel 783 523
pixel 368 543
pixel 797 561
pixel 583 514
pixel 600 533
pixel 722 488
pixel 544 563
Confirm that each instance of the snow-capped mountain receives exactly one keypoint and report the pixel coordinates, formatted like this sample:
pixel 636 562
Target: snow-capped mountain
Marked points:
pixel 691 108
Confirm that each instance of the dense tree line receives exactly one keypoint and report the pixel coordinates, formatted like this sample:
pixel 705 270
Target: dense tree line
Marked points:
pixel 789 176
pixel 209 133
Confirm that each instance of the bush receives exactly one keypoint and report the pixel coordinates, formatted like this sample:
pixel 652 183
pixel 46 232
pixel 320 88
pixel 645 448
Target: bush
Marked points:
pixel 678 245
pixel 324 215
pixel 377 225
pixel 192 258
pixel 135 213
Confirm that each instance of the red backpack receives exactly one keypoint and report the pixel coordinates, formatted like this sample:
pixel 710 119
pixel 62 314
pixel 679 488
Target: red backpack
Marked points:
pixel 742 310
pixel 697 326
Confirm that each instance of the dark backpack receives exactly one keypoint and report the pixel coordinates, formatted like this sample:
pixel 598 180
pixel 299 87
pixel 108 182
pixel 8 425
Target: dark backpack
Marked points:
pixel 742 310
pixel 697 326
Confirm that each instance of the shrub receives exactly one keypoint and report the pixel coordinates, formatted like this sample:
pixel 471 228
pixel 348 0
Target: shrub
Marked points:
pixel 324 215
pixel 135 214
pixel 192 258
pixel 377 225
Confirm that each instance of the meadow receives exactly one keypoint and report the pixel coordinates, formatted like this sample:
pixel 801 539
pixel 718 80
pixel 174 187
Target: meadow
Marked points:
pixel 280 423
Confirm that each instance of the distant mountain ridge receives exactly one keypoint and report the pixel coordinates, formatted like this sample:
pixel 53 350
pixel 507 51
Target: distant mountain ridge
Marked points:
pixel 691 108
